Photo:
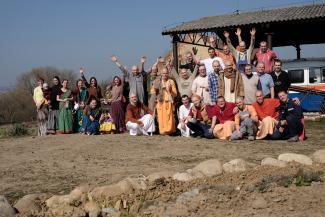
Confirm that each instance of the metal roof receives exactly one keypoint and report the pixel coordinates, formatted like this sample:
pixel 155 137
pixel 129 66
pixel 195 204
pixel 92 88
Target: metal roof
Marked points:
pixel 214 23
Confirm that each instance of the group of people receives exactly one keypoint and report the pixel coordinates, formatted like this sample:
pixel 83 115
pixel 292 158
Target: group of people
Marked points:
pixel 217 97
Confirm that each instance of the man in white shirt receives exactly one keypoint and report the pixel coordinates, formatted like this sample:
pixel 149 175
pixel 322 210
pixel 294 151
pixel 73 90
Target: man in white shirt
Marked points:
pixel 208 62
pixel 184 110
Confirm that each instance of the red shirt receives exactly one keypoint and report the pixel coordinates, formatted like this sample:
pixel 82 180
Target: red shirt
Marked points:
pixel 267 108
pixel 226 114
pixel 198 115
pixel 267 58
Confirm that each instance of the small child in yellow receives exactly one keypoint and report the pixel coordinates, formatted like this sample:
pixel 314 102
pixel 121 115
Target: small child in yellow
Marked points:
pixel 106 123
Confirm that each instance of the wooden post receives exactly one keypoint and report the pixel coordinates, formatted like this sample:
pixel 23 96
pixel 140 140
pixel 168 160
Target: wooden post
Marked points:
pixel 298 49
pixel 269 40
pixel 175 51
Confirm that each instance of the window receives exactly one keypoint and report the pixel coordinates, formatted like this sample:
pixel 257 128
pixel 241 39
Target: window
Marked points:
pixel 316 75
pixel 296 76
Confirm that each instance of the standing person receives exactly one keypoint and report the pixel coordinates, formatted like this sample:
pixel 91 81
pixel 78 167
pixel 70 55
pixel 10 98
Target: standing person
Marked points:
pixel 41 109
pixel 65 115
pixel 136 79
pixel 93 88
pixel 80 94
pixel 225 54
pixel 224 112
pixel 290 114
pixel 245 121
pixel 230 83
pixel 280 78
pixel 200 85
pixel 265 55
pixel 139 118
pixel 213 79
pixel 208 61
pixel 53 117
pixel 243 55
pixel 190 62
pixel 90 120
pixel 251 84
pixel 184 80
pixel 267 84
pixel 165 91
pixel 117 105
pixel 183 113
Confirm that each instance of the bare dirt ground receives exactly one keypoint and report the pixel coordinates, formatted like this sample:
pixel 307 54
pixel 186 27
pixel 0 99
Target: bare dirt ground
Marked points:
pixel 56 164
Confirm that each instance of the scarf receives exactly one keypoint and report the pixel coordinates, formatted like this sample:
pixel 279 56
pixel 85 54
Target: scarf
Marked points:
pixel 231 76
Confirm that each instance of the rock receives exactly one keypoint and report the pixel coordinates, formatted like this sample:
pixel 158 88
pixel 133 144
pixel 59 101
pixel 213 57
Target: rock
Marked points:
pixel 299 158
pixel 29 203
pixel 67 210
pixel 6 209
pixel 110 212
pixel 259 203
pixel 92 209
pixel 195 174
pixel 269 161
pixel 236 165
pixel 209 168
pixel 137 183
pixel 112 190
pixel 186 196
pixel 319 156
pixel 155 176
pixel 183 177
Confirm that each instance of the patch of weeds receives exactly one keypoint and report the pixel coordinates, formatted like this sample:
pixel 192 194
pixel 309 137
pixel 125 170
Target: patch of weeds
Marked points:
pixel 306 177
pixel 18 130
pixel 267 183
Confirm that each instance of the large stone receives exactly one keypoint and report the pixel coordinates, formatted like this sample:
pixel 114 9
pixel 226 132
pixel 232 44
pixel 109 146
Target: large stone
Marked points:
pixel 159 175
pixel 299 158
pixel 137 183
pixel 92 209
pixel 236 165
pixel 30 203
pixel 67 210
pixel 259 203
pixel 183 177
pixel 319 156
pixel 269 161
pixel 209 168
pixel 112 190
pixel 6 209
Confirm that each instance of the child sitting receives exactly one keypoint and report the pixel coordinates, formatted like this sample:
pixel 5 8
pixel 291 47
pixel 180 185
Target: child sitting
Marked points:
pixel 106 123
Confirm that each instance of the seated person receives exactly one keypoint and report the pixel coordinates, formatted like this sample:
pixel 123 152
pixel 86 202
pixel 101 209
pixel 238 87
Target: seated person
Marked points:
pixel 184 111
pixel 266 109
pixel 90 120
pixel 107 125
pixel 290 114
pixel 139 118
pixel 225 114
pixel 245 121
pixel 201 120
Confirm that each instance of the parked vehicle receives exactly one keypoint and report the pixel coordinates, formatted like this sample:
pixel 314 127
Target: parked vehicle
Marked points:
pixel 307 78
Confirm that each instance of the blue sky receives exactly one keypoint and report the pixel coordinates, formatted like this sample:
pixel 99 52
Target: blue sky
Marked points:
pixel 74 33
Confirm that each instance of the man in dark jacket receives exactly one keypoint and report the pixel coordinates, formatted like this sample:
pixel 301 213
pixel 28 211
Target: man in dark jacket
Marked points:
pixel 280 78
pixel 290 114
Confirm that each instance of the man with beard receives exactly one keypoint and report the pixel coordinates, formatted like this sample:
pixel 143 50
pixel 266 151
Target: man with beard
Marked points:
pixel 251 84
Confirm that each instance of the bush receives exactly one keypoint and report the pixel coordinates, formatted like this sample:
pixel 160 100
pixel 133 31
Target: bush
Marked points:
pixel 18 130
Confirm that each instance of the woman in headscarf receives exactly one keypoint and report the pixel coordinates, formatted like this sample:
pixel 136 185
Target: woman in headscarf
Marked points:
pixel 80 94
pixel 53 117
pixel 65 114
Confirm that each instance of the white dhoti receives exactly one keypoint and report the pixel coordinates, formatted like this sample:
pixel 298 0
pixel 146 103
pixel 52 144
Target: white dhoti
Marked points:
pixel 184 132
pixel 137 130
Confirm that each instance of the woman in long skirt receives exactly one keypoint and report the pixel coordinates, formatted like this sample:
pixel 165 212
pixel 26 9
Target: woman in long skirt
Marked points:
pixel 65 115
pixel 117 105
pixel 80 94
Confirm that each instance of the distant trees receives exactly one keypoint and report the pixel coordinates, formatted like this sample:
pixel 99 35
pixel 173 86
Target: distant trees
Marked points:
pixel 17 104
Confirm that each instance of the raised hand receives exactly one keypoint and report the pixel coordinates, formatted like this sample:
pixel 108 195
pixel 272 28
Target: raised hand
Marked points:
pixel 114 58
pixel 143 59
pixel 82 70
pixel 226 34
pixel 253 31
pixel 238 32
pixel 195 50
